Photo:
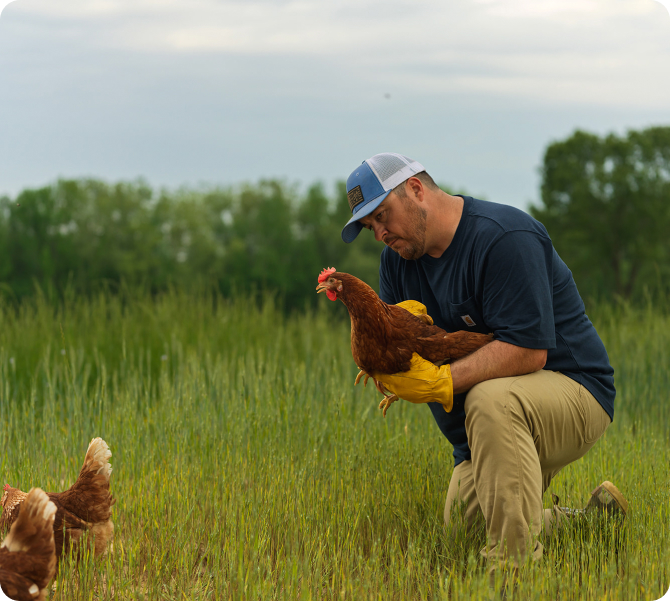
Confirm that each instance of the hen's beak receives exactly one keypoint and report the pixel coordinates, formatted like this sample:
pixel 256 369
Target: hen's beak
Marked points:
pixel 322 287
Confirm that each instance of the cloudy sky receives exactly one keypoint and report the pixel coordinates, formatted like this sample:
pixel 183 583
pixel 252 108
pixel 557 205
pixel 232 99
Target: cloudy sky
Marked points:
pixel 222 91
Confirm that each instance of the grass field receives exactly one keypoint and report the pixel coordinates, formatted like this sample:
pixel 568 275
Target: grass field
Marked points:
pixel 246 466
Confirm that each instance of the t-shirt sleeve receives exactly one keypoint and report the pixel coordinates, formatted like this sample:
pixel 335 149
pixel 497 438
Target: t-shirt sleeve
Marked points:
pixel 517 292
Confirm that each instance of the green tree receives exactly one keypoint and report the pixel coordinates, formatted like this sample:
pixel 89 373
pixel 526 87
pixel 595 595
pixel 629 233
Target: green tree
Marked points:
pixel 80 232
pixel 192 236
pixel 606 205
pixel 260 248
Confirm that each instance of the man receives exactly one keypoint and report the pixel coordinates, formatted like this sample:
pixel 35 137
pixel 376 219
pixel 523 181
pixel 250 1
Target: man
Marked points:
pixel 524 406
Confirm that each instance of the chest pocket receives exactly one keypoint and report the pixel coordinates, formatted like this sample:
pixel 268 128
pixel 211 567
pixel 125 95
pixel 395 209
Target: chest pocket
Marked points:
pixel 466 316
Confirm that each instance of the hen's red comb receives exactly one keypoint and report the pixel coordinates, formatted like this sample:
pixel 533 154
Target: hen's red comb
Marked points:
pixel 7 486
pixel 323 276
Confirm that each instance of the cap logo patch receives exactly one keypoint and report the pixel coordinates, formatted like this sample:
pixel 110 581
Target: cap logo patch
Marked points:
pixel 355 196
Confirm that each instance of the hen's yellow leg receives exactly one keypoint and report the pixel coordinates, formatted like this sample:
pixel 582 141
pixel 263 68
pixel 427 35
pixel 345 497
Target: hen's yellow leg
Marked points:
pixel 388 398
pixel 359 376
pixel 386 402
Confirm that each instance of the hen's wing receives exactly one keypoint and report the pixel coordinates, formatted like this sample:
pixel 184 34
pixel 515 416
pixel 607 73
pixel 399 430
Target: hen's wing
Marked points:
pixel 430 341
pixel 68 528
pixel 444 347
pixel 378 341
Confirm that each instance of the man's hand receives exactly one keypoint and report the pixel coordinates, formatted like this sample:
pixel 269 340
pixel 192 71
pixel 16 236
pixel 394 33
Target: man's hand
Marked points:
pixel 423 383
pixel 418 309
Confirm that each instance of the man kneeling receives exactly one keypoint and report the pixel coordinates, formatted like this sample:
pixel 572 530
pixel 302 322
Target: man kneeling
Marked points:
pixel 522 407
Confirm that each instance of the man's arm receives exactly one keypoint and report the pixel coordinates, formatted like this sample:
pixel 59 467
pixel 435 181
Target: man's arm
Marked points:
pixel 425 382
pixel 495 360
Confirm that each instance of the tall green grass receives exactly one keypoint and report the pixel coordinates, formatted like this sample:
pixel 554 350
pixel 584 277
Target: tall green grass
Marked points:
pixel 246 466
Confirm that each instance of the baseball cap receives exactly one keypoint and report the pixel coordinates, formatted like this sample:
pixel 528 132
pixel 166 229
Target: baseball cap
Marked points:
pixel 369 184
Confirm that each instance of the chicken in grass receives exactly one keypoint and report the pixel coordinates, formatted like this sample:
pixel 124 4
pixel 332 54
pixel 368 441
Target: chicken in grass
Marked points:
pixel 384 337
pixel 86 507
pixel 28 553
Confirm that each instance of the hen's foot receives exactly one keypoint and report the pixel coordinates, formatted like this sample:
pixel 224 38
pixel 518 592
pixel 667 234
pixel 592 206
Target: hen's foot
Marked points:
pixel 359 376
pixel 386 402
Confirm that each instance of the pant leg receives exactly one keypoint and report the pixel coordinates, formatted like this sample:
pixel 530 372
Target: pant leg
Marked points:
pixel 520 431
pixel 596 422
pixel 462 514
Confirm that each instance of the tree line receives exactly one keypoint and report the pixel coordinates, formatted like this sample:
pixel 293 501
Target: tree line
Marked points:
pixel 86 234
pixel 604 200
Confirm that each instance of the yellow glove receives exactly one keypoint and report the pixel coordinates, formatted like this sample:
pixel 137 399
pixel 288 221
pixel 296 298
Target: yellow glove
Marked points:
pixel 423 383
pixel 418 309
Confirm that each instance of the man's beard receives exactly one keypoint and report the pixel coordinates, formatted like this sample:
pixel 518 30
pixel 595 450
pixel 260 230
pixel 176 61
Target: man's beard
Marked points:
pixel 416 232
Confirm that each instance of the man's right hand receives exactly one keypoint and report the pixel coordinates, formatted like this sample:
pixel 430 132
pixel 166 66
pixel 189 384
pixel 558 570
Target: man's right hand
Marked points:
pixel 424 382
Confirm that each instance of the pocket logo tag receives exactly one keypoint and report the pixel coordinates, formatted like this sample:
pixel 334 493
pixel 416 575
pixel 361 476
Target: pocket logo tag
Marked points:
pixel 468 320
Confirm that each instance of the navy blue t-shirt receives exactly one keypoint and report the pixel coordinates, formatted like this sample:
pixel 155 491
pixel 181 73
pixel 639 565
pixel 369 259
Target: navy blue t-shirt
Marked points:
pixel 501 274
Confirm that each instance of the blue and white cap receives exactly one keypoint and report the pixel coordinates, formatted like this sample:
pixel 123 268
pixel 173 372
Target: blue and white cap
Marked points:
pixel 370 184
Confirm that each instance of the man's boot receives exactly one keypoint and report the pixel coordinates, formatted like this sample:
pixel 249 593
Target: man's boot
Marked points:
pixel 606 499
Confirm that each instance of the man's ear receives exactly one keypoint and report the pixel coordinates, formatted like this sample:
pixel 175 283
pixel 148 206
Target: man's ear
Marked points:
pixel 414 188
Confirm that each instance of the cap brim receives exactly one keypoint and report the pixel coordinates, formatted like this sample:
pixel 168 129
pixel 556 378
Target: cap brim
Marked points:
pixel 354 226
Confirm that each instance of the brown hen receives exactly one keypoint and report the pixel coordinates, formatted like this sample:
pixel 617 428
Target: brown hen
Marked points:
pixel 84 507
pixel 28 555
pixel 384 337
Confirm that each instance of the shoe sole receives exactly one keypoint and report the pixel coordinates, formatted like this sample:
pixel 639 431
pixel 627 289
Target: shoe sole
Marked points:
pixel 614 492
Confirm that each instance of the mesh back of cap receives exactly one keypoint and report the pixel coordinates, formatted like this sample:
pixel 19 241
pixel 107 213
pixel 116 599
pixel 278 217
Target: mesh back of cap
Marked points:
pixel 392 169
pixel 386 165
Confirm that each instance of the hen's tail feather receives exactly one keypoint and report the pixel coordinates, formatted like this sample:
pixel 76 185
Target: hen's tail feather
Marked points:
pixel 97 458
pixel 93 499
pixel 27 555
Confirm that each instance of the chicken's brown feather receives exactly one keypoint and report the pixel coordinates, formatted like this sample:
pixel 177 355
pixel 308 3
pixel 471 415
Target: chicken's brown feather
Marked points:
pixel 27 556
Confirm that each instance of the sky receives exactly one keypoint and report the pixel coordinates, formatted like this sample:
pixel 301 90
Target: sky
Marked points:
pixel 218 92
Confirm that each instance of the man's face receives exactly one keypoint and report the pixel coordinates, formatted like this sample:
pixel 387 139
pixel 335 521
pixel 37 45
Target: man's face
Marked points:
pixel 399 223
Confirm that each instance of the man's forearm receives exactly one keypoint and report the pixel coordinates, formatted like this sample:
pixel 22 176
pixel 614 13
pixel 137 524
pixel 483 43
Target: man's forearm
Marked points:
pixel 495 360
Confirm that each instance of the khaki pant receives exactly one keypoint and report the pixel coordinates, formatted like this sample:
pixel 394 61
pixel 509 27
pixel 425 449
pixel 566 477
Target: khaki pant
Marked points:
pixel 522 431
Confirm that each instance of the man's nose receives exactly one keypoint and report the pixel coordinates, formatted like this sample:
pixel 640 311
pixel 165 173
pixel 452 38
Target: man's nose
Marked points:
pixel 379 232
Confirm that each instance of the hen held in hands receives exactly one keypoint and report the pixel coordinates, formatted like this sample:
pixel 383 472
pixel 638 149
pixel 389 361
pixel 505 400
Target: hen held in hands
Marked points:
pixel 384 337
